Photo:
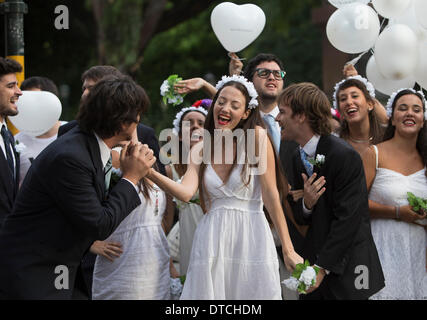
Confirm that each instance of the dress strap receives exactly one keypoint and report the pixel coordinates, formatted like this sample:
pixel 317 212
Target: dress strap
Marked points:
pixel 376 157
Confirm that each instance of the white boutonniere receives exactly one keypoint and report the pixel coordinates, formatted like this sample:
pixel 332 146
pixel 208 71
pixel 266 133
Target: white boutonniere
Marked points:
pixel 19 146
pixel 319 161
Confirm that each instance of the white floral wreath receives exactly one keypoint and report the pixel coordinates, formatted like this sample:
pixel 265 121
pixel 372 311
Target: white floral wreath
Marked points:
pixel 249 86
pixel 367 84
pixel 393 96
pixel 181 113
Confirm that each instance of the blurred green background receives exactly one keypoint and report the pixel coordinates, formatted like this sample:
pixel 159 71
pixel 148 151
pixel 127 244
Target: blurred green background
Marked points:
pixel 151 39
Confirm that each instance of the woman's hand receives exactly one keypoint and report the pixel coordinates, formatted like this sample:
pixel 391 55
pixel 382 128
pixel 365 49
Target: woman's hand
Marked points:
pixel 349 71
pixel 291 259
pixel 189 85
pixel 109 250
pixel 408 215
pixel 235 66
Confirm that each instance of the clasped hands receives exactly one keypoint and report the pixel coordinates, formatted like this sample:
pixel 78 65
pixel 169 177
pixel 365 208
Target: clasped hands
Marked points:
pixel 136 160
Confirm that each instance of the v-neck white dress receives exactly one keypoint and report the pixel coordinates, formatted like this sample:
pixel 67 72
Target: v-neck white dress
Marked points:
pixel 233 254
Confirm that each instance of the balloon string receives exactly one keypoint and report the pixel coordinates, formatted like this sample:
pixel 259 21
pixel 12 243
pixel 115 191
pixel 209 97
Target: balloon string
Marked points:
pixel 229 55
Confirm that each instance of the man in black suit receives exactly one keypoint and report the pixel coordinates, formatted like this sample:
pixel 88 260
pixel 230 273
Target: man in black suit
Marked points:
pixel 335 200
pixel 63 205
pixel 146 135
pixel 9 158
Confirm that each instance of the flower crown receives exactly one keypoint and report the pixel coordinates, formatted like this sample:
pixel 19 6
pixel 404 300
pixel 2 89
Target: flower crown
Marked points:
pixel 179 115
pixel 393 97
pixel 367 84
pixel 249 86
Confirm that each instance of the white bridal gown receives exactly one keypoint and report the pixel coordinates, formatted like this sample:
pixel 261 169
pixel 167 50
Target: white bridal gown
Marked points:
pixel 401 246
pixel 142 271
pixel 233 254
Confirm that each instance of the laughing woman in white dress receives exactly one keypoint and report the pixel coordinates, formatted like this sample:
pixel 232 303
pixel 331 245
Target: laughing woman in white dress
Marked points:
pixel 233 254
pixel 393 168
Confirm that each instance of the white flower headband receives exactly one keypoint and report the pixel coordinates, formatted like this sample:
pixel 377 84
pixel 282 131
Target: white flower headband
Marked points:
pixel 249 86
pixel 181 113
pixel 367 84
pixel 393 97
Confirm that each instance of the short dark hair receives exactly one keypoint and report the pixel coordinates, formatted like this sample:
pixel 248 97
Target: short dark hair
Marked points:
pixel 8 66
pixel 306 98
pixel 259 58
pixel 96 73
pixel 42 83
pixel 112 102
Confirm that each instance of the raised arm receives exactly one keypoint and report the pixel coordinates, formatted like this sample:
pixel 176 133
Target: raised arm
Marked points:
pixel 185 190
pixel 195 84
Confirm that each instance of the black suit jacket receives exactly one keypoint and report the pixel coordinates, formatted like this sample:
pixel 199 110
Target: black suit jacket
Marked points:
pixel 60 211
pixel 8 185
pixel 339 237
pixel 146 135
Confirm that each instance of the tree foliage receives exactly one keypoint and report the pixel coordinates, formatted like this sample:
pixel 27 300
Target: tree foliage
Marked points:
pixel 151 39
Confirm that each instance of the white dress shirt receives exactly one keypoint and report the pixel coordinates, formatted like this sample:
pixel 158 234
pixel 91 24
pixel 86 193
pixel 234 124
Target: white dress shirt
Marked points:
pixel 3 146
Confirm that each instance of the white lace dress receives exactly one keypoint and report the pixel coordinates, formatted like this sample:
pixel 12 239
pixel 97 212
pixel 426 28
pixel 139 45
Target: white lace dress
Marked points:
pixel 142 271
pixel 401 246
pixel 233 254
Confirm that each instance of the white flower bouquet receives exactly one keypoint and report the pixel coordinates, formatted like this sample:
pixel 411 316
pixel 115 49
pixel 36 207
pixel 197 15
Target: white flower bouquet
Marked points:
pixel 168 93
pixel 303 277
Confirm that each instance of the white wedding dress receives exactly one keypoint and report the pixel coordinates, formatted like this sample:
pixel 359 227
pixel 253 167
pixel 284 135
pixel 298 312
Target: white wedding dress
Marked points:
pixel 401 246
pixel 233 254
pixel 142 271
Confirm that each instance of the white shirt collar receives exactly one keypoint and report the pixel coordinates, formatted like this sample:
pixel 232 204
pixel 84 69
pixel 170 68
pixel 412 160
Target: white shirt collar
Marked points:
pixel 273 112
pixel 3 123
pixel 104 150
pixel 311 146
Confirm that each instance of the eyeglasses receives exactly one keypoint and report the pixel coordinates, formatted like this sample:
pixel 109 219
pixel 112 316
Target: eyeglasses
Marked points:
pixel 265 73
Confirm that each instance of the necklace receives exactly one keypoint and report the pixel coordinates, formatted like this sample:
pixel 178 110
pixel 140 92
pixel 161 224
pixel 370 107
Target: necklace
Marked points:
pixel 360 141
pixel 156 208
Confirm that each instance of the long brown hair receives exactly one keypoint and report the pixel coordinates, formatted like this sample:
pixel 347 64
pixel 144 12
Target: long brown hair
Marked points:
pixel 251 122
pixel 376 131
pixel 421 144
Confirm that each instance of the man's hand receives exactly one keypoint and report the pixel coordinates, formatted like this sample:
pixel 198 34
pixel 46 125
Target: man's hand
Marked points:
pixel 109 250
pixel 136 161
pixel 235 66
pixel 319 278
pixel 313 189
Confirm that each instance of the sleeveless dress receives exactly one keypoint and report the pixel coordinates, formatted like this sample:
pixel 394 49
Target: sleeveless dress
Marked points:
pixel 401 246
pixel 189 216
pixel 233 255
pixel 142 271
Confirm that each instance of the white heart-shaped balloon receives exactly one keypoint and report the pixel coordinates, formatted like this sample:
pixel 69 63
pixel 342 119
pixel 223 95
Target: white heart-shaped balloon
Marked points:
pixel 237 26
pixel 38 111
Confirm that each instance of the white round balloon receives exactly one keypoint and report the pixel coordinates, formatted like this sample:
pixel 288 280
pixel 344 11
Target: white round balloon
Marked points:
pixel 38 111
pixel 420 7
pixel 340 3
pixel 396 52
pixel 391 8
pixel 382 84
pixel 237 26
pixel 410 19
pixel 421 69
pixel 353 28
